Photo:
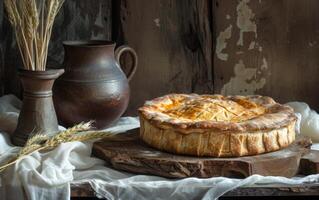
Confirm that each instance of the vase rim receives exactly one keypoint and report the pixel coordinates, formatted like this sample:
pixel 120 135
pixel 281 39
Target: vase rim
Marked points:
pixel 47 74
pixel 89 43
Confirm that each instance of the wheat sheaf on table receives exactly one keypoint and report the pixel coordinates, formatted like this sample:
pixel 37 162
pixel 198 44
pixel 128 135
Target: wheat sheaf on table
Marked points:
pixel 42 142
pixel 216 126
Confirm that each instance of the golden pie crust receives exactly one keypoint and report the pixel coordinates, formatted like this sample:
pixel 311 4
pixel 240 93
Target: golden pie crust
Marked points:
pixel 215 125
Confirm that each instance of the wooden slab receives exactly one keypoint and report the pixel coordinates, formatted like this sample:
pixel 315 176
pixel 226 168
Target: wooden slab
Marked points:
pixel 127 152
pixel 309 163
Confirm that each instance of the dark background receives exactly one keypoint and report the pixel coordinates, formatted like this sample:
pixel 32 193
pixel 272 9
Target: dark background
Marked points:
pixel 180 43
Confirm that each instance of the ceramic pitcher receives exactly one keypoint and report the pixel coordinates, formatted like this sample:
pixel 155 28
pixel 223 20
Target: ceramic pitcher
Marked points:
pixel 93 87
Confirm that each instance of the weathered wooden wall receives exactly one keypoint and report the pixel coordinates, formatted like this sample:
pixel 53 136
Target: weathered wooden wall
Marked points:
pixel 174 42
pixel 266 47
pixel 9 57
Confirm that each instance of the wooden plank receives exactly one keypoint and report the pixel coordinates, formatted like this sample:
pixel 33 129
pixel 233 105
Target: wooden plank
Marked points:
pixel 80 20
pixel 77 20
pixel 9 57
pixel 278 52
pixel 85 190
pixel 1 49
pixel 309 163
pixel 82 190
pixel 129 153
pixel 275 190
pixel 174 42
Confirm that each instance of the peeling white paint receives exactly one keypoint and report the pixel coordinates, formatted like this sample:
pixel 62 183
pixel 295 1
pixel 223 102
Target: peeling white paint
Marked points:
pixel 239 52
pixel 244 82
pixel 264 65
pixel 221 43
pixel 252 45
pixel 228 17
pixel 245 21
pixel 157 22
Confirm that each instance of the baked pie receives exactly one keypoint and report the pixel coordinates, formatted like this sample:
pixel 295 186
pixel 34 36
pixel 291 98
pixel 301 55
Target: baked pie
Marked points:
pixel 215 125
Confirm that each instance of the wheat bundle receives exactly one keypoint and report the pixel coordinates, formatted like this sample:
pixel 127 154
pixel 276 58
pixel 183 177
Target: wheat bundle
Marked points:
pixel 32 21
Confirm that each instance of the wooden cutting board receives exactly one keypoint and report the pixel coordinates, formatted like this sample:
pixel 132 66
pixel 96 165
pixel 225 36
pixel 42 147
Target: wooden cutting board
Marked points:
pixel 127 152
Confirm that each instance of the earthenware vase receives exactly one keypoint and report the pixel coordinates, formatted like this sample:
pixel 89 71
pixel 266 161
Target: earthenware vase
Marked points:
pixel 37 114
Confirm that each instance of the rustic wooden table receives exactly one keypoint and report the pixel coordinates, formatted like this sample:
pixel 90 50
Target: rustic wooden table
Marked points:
pixel 309 165
pixel 305 190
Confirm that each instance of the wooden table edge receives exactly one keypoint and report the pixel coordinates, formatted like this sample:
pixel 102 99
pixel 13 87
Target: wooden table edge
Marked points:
pixel 85 190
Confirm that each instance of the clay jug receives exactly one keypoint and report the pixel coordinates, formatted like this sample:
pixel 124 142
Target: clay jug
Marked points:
pixel 93 86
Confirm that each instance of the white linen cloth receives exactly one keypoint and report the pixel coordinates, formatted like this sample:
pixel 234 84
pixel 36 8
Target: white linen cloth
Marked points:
pixel 49 175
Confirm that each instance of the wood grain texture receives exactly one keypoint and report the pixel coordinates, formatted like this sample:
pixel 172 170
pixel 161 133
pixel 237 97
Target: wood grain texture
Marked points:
pixel 280 60
pixel 80 20
pixel 275 190
pixel 178 41
pixel 174 42
pixel 278 190
pixel 9 57
pixel 309 164
pixel 77 20
pixel 128 152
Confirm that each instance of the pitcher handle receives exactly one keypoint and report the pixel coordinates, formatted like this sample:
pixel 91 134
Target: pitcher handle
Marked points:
pixel 118 53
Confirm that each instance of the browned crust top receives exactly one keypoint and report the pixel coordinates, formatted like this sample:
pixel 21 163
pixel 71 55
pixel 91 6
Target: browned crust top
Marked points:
pixel 276 116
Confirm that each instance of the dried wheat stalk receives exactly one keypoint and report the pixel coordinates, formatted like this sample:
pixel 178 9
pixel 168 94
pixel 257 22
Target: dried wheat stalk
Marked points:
pixel 32 21
pixel 38 142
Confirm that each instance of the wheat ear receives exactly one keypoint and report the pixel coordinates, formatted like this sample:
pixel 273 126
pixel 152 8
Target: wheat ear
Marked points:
pixel 40 142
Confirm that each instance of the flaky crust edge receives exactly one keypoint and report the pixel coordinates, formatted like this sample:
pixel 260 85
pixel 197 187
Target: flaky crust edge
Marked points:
pixel 217 144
